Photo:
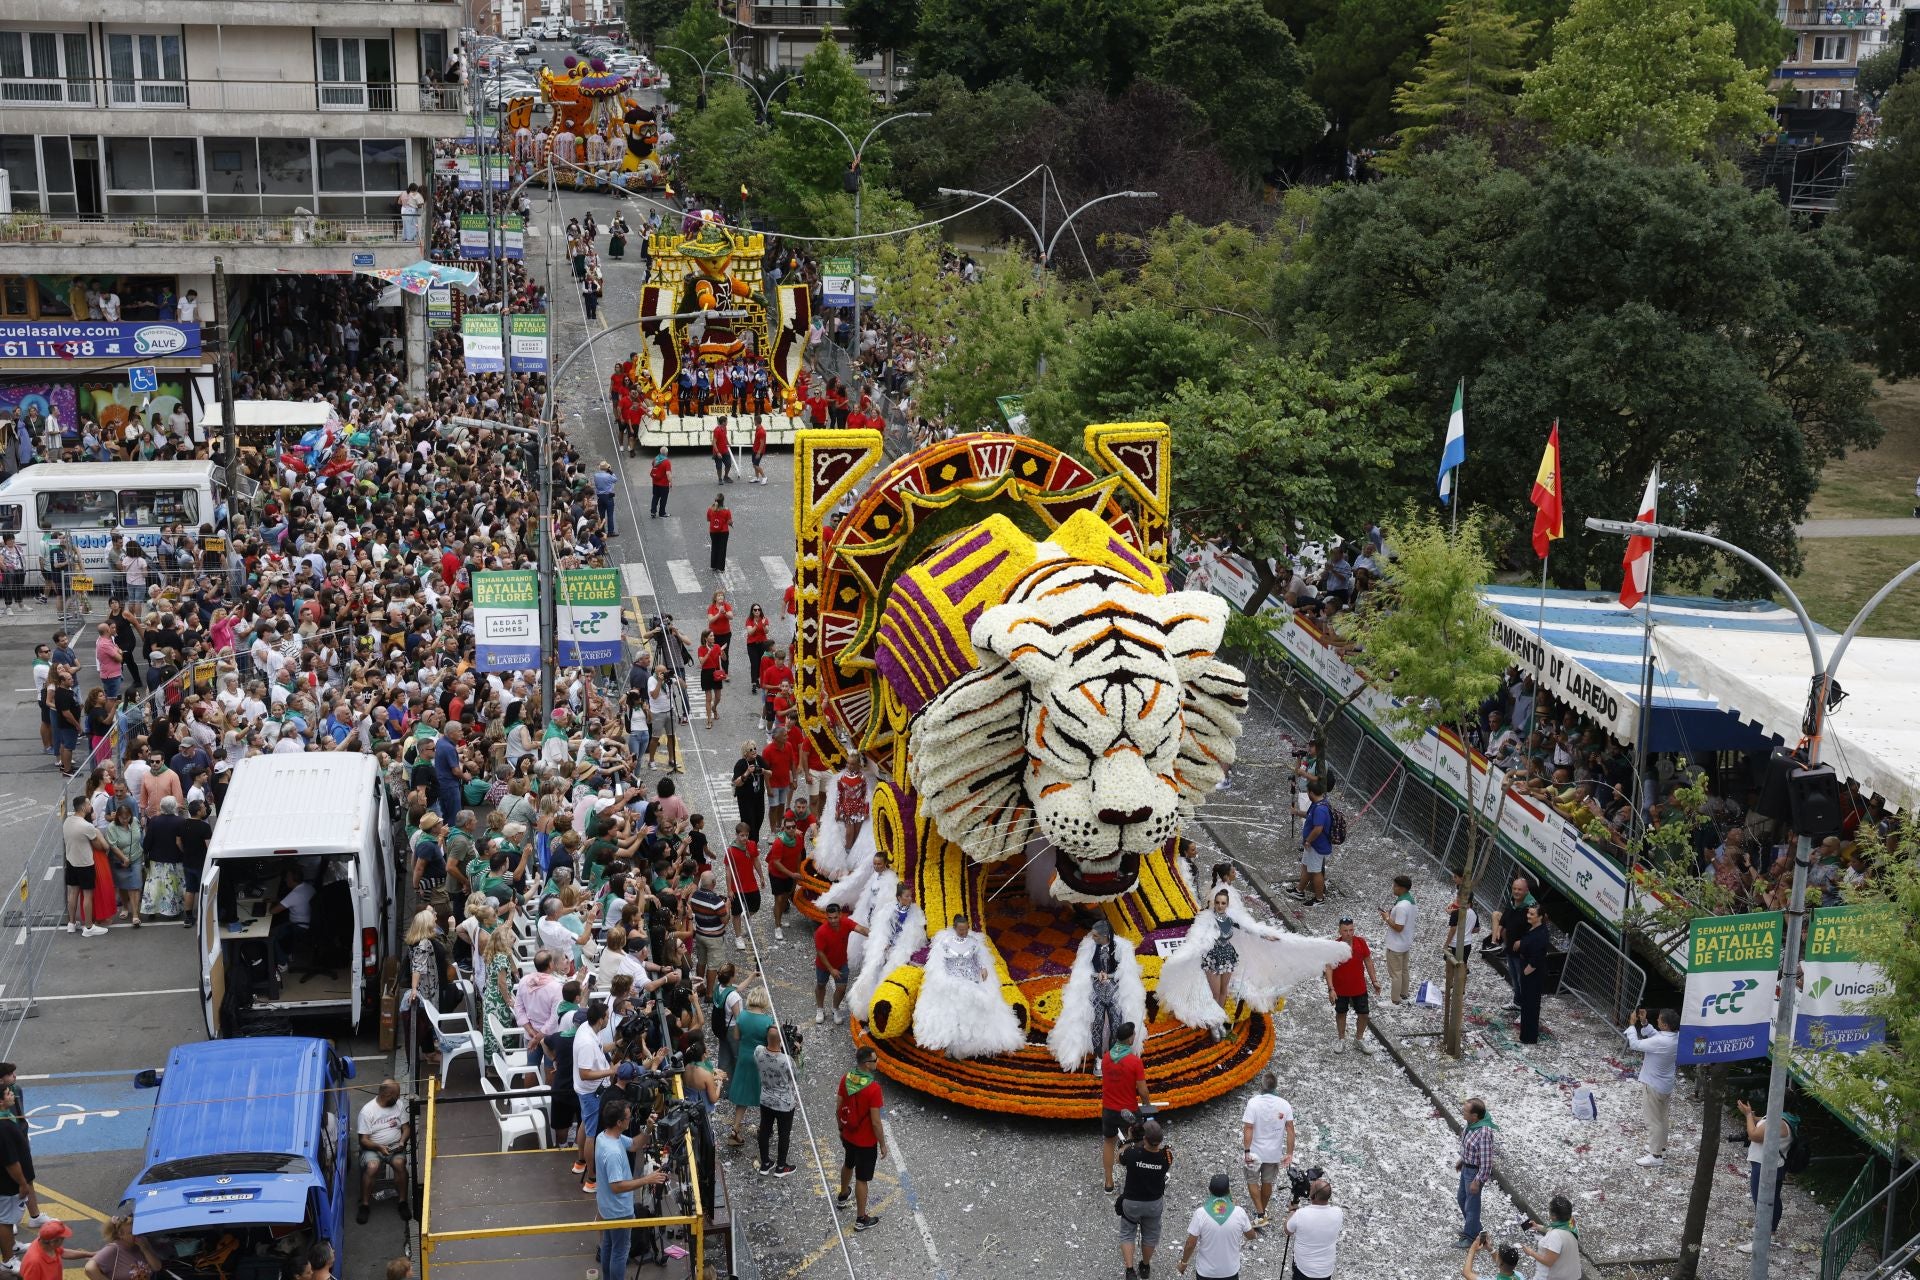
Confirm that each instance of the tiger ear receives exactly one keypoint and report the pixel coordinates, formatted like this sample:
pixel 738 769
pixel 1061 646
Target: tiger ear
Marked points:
pixel 1017 634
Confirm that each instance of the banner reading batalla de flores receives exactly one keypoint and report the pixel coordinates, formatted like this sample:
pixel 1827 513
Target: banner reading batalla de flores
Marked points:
pixel 1733 970
pixel 1837 980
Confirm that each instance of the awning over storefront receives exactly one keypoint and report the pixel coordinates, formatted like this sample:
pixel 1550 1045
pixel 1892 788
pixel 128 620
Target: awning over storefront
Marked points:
pixel 1585 650
pixel 1872 736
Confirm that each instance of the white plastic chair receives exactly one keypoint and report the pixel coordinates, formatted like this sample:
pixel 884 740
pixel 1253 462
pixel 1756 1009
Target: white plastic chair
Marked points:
pixel 517 1075
pixel 511 1038
pixel 514 1125
pixel 457 1036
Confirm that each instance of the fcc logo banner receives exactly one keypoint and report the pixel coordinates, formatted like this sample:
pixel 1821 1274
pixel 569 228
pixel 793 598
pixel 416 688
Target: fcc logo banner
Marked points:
pixel 1733 967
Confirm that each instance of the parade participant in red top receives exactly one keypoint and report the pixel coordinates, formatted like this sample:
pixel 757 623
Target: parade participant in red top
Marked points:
pixel 722 453
pixel 743 881
pixel 1347 985
pixel 785 853
pixel 759 640
pixel 775 677
pixel 719 530
pixel 1123 1087
pixel 661 473
pixel 778 758
pixel 759 449
pixel 720 621
pixel 861 1133
pixel 817 409
pixel 713 672
pixel 830 961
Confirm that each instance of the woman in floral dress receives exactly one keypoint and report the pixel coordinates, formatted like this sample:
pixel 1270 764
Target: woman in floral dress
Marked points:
pixel 497 992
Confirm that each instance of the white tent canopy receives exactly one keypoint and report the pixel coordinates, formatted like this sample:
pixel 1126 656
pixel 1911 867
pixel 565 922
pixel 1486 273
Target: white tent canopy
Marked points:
pixel 301 414
pixel 1873 736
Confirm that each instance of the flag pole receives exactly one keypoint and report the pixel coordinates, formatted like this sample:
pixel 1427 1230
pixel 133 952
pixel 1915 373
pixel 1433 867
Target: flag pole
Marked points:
pixel 1453 503
pixel 1643 736
pixel 1541 625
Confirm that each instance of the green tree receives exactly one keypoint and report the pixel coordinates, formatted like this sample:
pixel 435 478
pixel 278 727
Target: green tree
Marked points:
pixel 1882 210
pixel 1121 366
pixel 1242 68
pixel 1360 52
pixel 1758 38
pixel 972 138
pixel 1880 70
pixel 881 26
pixel 1053 45
pixel 1221 277
pixel 910 288
pixel 1423 637
pixel 1882 1085
pixel 1661 314
pixel 1470 76
pixel 692 41
pixel 808 159
pixel 723 146
pixel 1005 327
pixel 1659 77
pixel 648 20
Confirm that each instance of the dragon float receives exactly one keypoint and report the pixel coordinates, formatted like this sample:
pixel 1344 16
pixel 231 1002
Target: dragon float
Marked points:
pixel 991 626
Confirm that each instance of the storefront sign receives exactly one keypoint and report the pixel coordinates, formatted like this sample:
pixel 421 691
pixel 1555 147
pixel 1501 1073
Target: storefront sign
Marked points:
pixel 587 617
pixel 1733 968
pixel 506 620
pixel 439 307
pixel 481 343
pixel 95 339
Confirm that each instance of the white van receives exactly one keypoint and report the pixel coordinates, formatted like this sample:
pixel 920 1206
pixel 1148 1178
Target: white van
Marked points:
pixel 94 500
pixel 321 819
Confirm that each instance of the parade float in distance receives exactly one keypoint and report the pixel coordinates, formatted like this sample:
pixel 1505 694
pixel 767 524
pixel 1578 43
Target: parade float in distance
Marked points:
pixel 987 634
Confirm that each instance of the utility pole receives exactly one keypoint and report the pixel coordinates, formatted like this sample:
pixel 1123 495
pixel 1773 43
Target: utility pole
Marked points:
pixel 230 449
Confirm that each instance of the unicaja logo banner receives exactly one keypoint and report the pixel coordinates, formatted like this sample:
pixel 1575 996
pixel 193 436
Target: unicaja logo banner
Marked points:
pixel 1843 991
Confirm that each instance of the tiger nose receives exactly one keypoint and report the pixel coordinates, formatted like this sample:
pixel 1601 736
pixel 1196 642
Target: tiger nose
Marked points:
pixel 1114 817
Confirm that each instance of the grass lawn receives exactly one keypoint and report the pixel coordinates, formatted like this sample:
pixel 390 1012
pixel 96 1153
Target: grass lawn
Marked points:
pixel 1842 573
pixel 1878 482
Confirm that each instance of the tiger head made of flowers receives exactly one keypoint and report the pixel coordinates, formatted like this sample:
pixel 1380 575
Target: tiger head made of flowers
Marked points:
pixel 1098 717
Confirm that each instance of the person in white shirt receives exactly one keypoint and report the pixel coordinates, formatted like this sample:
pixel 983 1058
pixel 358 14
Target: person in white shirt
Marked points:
pixel 1400 920
pixel 187 309
pixel 1266 1136
pixel 109 305
pixel 1559 1251
pixel 1657 1040
pixel 1316 1228
pixel 384 1132
pixel 1217 1232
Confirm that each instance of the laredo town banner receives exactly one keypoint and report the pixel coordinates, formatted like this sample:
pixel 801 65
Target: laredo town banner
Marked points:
pixel 587 615
pixel 1837 981
pixel 506 620
pixel 1733 966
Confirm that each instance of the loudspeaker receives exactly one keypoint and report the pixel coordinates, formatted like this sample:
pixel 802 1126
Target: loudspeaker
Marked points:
pixel 1774 801
pixel 1817 810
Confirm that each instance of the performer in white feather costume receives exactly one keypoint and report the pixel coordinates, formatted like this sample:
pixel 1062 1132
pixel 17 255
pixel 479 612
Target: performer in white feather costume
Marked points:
pixel 864 893
pixel 1103 991
pixel 960 1009
pixel 832 853
pixel 1228 953
pixel 897 931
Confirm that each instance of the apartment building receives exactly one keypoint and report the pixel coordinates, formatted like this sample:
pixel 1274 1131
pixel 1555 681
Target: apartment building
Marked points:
pixel 1830 39
pixel 140 139
pixel 781 33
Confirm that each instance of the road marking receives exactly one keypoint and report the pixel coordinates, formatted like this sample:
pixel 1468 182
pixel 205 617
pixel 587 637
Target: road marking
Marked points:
pixel 734 579
pixel 114 995
pixel 913 1207
pixel 49 875
pixel 779 573
pixel 69 1207
pixel 685 580
pixel 639 582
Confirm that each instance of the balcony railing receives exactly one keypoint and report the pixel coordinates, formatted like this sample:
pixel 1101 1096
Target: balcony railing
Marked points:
pixel 230 95
pixel 1841 16
pixel 808 16
pixel 295 229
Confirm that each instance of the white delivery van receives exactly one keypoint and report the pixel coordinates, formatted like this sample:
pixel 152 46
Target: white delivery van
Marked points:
pixel 319 819
pixel 95 500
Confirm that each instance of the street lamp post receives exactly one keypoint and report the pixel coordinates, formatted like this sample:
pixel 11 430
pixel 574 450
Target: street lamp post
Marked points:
pixel 1824 672
pixel 855 156
pixel 765 99
pixel 1045 244
pixel 706 66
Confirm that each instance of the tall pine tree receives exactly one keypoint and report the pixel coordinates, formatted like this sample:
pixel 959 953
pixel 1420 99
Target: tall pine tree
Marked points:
pixel 1469 77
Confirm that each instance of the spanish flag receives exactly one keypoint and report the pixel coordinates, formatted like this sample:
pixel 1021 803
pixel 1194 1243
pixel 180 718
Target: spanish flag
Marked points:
pixel 1548 517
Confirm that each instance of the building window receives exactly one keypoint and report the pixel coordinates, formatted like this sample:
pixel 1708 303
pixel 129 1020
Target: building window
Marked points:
pixel 361 178
pixel 45 66
pixel 23 175
pixel 1831 48
pixel 154 175
pixel 356 73
pixel 146 69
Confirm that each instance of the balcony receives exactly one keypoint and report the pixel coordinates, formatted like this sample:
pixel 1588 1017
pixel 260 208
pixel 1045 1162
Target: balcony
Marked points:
pixel 797 17
pixel 62 242
pixel 257 96
pixel 1809 17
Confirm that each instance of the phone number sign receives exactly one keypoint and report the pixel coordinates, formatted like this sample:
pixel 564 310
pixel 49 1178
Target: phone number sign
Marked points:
pixel 95 340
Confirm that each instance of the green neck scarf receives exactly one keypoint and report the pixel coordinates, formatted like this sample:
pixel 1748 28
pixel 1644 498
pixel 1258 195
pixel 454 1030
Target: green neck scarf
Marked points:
pixel 1405 897
pixel 1484 1122
pixel 1119 1051
pixel 1220 1209
pixel 855 1081
pixel 1563 1225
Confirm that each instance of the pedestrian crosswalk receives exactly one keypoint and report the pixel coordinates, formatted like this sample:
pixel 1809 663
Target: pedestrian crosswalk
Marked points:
pixel 738 578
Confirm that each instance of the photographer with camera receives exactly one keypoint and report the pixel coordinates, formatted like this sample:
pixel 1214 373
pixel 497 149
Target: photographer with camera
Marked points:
pixel 1146 1160
pixel 1314 1230
pixel 1507 1259
pixel 615 1184
pixel 779 1094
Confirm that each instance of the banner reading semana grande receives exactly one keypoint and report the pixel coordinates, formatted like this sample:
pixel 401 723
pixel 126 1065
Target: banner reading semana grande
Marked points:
pixel 482 345
pixel 1837 980
pixel 506 620
pixel 1733 968
pixel 587 617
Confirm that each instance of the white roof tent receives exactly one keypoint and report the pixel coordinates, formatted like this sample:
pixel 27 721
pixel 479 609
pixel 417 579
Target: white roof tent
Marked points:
pixel 1584 649
pixel 258 415
pixel 1873 736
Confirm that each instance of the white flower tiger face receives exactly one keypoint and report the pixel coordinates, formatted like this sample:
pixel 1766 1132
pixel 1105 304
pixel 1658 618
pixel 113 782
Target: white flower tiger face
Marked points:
pixel 1098 718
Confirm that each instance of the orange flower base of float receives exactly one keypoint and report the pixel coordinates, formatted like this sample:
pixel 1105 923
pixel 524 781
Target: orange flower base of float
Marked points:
pixel 1185 1067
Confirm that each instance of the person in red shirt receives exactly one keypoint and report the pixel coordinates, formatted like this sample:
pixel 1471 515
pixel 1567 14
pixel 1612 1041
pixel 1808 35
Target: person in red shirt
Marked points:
pixel 802 816
pixel 1347 985
pixel 775 678
pixel 743 882
pixel 778 757
pixel 1123 1088
pixel 661 473
pixel 722 453
pixel 713 672
pixel 46 1258
pixel 759 640
pixel 862 1136
pixel 817 409
pixel 719 529
pixel 759 450
pixel 720 622
pixel 830 961
pixel 784 855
